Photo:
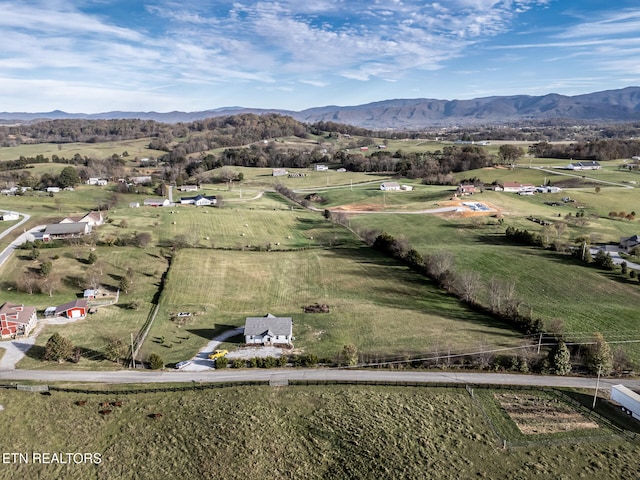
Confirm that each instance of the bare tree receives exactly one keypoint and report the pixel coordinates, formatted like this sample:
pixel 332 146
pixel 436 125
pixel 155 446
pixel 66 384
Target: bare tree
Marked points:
pixel 439 263
pixel 469 284
pixel 50 284
pixel 496 294
pixel 27 282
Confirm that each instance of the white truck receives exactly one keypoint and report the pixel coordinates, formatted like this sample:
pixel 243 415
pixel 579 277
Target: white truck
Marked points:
pixel 628 399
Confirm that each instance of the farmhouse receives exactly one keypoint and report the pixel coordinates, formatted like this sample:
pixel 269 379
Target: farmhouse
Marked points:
pixel 584 166
pixel 156 202
pixel 75 309
pixel 97 181
pixel 268 330
pixel 199 200
pixel 53 189
pixel 188 188
pixel 93 218
pixel 387 186
pixel 141 179
pixel 466 189
pixel 516 187
pixel 279 172
pixel 65 230
pixel 16 319
pixel 7 216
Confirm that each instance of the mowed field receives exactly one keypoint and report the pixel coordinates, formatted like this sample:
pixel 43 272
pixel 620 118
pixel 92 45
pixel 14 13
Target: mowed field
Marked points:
pixel 358 432
pixel 381 307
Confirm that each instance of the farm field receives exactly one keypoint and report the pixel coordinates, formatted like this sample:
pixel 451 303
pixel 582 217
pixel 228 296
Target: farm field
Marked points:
pixel 135 148
pixel 381 307
pixel 314 432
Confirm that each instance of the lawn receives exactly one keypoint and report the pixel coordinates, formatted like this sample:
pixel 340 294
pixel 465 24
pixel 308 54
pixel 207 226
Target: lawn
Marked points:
pixel 95 331
pixel 381 307
pixel 296 432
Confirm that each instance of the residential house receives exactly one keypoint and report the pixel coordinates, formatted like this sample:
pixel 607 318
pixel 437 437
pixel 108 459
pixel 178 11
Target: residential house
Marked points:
pixel 279 172
pixel 320 168
pixel 90 293
pixel 584 165
pixel 8 216
pixel 629 243
pixel 268 330
pixel 93 218
pixel 74 309
pixel 53 189
pixel 188 188
pixel 466 189
pixel 516 187
pixel 65 230
pixel 16 319
pixel 141 179
pixel 156 202
pixel 97 181
pixel 386 186
pixel 199 200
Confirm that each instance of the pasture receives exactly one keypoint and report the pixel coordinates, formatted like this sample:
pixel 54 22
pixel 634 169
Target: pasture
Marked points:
pixel 381 307
pixel 313 432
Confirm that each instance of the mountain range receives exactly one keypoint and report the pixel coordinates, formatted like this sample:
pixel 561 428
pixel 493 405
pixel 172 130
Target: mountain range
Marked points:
pixel 622 105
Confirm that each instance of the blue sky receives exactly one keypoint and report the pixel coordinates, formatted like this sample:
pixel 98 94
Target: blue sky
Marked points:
pixel 97 55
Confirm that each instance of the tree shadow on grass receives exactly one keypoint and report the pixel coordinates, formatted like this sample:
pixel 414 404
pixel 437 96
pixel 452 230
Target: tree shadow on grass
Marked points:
pixel 211 333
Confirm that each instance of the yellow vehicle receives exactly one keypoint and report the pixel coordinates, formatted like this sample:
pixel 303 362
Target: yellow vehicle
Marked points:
pixel 217 354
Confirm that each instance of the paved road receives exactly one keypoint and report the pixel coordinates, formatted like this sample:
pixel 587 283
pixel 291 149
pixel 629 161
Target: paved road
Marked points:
pixel 232 375
pixel 6 253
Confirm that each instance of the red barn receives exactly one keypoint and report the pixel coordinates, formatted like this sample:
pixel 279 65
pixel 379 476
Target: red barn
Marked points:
pixel 16 319
pixel 74 309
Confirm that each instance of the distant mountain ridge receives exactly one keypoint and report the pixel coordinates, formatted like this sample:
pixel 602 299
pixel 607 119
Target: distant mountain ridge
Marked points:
pixel 622 105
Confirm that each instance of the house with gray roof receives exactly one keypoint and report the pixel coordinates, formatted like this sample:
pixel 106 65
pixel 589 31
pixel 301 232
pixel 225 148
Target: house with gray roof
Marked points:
pixel 65 230
pixel 268 330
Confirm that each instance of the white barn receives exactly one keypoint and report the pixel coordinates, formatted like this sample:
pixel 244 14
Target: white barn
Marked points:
pixel 387 186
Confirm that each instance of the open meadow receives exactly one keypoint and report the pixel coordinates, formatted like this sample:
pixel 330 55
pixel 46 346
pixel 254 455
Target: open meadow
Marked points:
pixel 312 431
pixel 381 307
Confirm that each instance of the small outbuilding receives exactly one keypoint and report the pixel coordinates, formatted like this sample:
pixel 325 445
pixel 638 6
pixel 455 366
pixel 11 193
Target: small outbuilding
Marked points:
pixel 76 309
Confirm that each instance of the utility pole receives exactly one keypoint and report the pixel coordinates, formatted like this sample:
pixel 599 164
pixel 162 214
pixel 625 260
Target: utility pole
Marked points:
pixel 133 358
pixel 539 343
pixel 595 395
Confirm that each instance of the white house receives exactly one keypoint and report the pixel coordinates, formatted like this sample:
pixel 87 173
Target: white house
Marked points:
pixel 188 188
pixel 386 186
pixel 407 188
pixel 16 319
pixel 584 165
pixel 7 216
pixel 199 200
pixel 53 189
pixel 320 168
pixel 279 172
pixel 97 181
pixel 268 330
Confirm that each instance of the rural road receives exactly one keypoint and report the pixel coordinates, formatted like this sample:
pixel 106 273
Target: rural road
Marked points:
pixel 6 253
pixel 313 374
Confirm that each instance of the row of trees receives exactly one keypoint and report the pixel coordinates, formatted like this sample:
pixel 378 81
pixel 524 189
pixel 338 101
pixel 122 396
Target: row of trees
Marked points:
pixel 602 149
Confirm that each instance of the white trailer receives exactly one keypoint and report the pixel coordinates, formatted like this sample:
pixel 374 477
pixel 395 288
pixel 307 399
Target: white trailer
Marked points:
pixel 628 399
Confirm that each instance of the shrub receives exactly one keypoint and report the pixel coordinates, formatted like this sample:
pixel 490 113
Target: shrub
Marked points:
pixel 222 362
pixel 238 363
pixel 155 361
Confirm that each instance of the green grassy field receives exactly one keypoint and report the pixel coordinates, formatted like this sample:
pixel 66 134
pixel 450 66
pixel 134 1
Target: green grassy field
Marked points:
pixel 135 148
pixel 295 432
pixel 376 304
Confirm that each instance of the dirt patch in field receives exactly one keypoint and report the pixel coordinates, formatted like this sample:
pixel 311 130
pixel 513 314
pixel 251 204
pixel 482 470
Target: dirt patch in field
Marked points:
pixel 360 207
pixel 542 415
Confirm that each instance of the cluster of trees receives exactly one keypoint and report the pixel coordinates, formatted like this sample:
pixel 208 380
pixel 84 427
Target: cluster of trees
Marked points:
pixel 466 285
pixel 602 149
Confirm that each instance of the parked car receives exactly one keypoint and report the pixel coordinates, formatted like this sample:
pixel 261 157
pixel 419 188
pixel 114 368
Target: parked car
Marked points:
pixel 217 354
pixel 183 364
